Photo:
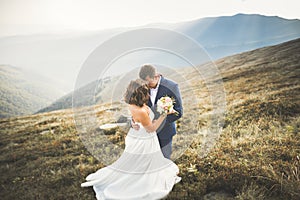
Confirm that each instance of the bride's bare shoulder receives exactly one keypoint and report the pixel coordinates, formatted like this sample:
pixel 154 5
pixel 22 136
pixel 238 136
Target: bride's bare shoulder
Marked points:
pixel 137 109
pixel 138 112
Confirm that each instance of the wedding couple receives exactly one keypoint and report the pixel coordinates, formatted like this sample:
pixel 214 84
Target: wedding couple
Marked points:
pixel 144 170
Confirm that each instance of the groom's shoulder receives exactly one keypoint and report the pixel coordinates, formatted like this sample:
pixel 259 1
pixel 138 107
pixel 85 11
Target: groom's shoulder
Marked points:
pixel 168 82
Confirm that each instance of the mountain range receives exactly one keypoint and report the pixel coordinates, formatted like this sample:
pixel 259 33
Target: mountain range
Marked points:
pixel 223 36
pixel 60 56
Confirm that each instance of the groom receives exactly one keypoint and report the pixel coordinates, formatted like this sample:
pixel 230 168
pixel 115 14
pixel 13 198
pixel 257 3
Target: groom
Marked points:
pixel 159 87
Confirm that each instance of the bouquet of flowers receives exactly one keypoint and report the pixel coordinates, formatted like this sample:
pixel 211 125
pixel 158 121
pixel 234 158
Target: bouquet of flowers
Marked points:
pixel 165 105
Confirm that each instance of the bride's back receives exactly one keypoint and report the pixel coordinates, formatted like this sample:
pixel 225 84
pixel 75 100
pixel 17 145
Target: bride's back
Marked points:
pixel 140 114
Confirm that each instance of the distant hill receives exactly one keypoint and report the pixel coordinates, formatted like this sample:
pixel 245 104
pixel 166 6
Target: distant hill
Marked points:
pixel 66 101
pixel 23 92
pixel 62 55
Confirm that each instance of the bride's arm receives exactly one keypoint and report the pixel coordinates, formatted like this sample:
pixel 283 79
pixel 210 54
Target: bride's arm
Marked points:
pixel 148 124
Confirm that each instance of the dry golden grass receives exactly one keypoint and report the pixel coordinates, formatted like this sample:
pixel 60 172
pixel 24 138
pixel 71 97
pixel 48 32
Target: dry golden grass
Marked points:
pixel 256 157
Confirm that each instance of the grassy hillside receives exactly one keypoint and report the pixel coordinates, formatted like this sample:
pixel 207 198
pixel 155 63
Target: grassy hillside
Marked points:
pixel 256 157
pixel 22 92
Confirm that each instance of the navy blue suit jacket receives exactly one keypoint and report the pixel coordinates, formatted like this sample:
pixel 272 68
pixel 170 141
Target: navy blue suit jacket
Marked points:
pixel 167 128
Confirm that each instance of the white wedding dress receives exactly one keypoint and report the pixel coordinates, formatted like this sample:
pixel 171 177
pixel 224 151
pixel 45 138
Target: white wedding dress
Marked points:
pixel 142 172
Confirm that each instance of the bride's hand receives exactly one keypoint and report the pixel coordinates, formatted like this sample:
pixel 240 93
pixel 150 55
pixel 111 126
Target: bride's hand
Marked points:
pixel 172 111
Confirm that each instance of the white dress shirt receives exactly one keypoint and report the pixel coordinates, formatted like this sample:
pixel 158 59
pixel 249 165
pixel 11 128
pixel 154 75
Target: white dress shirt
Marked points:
pixel 153 92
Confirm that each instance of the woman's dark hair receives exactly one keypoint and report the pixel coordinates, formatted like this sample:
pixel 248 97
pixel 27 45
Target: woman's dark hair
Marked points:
pixel 137 93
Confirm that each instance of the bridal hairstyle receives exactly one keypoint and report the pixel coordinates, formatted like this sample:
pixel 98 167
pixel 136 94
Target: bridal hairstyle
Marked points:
pixel 137 93
pixel 147 70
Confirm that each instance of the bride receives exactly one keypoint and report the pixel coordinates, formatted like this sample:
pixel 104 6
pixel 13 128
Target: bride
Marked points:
pixel 141 172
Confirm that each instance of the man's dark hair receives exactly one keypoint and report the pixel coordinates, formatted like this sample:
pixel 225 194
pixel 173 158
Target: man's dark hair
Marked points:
pixel 147 70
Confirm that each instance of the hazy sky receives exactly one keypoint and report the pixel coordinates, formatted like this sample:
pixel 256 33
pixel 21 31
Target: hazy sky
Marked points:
pixel 32 16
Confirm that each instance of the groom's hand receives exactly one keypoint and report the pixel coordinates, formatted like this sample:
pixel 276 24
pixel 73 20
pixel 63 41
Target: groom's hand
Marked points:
pixel 134 125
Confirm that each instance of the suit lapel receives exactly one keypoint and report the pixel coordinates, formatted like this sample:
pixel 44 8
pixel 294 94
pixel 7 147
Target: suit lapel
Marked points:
pixel 149 101
pixel 158 95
